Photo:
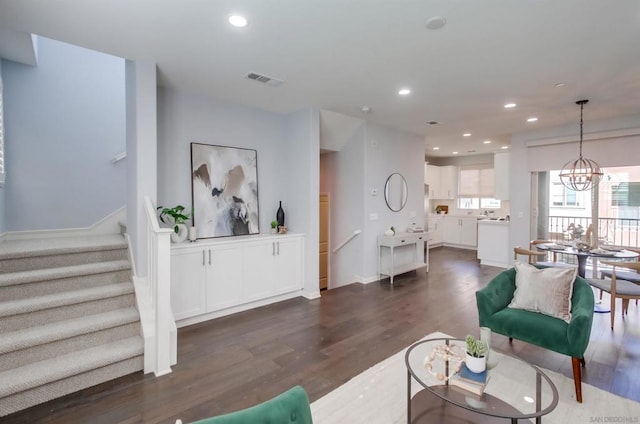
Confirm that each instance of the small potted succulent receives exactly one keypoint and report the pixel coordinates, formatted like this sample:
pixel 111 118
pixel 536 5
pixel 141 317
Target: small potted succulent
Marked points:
pixel 476 359
pixel 274 227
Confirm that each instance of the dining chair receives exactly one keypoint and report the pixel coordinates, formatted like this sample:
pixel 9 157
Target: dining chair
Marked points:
pixel 553 263
pixel 618 288
pixel 530 254
pixel 632 276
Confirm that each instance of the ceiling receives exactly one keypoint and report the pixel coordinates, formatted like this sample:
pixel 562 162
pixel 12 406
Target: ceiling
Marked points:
pixel 341 55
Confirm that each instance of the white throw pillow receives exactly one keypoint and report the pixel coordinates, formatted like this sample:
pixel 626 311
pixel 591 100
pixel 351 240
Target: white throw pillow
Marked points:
pixel 546 290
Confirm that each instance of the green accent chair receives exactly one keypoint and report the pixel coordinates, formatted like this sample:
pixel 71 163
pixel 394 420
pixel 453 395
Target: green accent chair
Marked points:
pixel 541 330
pixel 290 407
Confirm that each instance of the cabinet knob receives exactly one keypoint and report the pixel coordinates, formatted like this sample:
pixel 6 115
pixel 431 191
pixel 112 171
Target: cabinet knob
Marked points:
pixel 273 246
pixel 203 262
pixel 209 256
pixel 278 248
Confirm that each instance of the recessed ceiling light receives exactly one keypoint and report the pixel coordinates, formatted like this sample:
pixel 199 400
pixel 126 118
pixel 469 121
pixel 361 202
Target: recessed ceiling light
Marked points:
pixel 436 148
pixel 509 105
pixel 436 22
pixel 559 84
pixel 404 91
pixel 487 142
pixel 466 135
pixel 238 21
pixel 455 153
pixel 532 119
pixel 504 147
pixel 365 109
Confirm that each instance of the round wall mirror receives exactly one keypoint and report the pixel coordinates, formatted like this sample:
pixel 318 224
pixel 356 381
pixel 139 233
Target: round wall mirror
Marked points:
pixel 395 192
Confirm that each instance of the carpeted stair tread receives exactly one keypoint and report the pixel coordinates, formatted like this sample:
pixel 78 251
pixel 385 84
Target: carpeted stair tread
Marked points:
pixel 47 274
pixel 32 248
pixel 42 334
pixel 29 376
pixel 23 306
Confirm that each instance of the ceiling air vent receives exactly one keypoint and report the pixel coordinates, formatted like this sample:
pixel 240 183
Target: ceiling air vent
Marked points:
pixel 273 82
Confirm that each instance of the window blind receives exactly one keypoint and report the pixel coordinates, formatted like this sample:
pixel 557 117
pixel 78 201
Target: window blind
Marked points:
pixel 476 182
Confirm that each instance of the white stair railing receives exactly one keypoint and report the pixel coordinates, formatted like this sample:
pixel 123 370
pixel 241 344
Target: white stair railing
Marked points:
pixel 159 285
pixel 347 240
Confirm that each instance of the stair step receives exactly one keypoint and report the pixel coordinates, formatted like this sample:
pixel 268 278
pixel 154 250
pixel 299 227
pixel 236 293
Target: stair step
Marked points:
pixel 48 274
pixel 43 334
pixel 57 300
pixel 24 255
pixel 51 370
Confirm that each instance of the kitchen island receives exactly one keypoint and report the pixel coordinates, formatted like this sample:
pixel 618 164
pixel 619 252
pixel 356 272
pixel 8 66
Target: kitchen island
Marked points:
pixel 493 243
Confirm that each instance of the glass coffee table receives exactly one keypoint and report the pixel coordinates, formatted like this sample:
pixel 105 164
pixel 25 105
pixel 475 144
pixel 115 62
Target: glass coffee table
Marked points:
pixel 515 390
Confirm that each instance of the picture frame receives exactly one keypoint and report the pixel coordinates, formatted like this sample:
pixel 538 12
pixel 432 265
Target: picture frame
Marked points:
pixel 224 190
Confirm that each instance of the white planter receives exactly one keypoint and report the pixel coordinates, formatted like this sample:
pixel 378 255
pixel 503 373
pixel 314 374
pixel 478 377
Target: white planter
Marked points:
pixel 181 235
pixel 476 364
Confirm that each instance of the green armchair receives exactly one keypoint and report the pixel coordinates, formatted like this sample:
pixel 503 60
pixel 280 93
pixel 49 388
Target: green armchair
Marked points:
pixel 550 333
pixel 290 407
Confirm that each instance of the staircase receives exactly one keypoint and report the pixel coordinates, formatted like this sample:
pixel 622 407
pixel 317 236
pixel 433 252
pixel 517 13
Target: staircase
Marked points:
pixel 68 318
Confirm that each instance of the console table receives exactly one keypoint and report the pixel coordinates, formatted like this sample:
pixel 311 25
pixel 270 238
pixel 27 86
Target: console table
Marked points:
pixel 415 254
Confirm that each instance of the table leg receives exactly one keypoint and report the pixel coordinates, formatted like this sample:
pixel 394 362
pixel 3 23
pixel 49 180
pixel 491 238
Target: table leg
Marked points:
pixel 582 265
pixel 408 397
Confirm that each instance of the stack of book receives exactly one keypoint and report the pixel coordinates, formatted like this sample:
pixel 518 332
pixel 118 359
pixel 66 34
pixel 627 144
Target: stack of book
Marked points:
pixel 469 380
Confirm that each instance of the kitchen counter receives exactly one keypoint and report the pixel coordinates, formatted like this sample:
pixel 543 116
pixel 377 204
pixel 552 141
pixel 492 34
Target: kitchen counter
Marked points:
pixel 493 243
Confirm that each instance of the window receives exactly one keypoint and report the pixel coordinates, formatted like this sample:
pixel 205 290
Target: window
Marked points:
pixel 476 188
pixel 1 138
pixel 561 196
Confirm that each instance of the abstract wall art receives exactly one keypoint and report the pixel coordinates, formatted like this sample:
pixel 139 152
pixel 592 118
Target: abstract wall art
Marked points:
pixel 224 190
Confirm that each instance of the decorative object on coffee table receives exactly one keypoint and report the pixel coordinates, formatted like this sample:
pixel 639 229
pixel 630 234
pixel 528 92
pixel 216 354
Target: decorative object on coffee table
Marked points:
pixel 476 359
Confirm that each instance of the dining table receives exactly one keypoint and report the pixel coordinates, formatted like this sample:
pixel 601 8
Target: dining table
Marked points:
pixel 609 252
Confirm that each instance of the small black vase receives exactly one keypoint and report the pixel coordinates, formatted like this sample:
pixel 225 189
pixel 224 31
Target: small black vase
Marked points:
pixel 280 215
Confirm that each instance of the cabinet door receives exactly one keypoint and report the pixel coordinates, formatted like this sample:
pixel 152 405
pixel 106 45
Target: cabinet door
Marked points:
pixel 288 269
pixel 435 231
pixel 451 230
pixel 188 295
pixel 259 270
pixel 224 277
pixel 433 179
pixel 468 232
pixel 449 181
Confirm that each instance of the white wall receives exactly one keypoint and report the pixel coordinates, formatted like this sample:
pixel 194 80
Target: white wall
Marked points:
pixel 343 178
pixel 141 111
pixel 2 205
pixel 389 151
pixel 300 161
pixel 64 122
pixel 616 151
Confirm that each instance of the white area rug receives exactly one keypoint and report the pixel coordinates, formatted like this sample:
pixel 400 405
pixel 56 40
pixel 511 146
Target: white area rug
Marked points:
pixel 378 396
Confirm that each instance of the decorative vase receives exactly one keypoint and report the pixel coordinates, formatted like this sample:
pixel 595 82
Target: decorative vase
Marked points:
pixel 388 232
pixel 485 336
pixel 192 234
pixel 476 364
pixel 274 231
pixel 181 235
pixel 280 215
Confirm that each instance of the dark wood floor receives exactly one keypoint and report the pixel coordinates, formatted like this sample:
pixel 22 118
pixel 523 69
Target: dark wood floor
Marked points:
pixel 237 361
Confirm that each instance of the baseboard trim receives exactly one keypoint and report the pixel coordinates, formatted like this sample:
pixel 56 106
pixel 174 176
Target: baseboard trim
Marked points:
pixel 366 280
pixel 107 225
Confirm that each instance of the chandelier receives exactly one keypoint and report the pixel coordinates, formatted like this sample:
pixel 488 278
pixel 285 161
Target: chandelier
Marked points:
pixel 580 174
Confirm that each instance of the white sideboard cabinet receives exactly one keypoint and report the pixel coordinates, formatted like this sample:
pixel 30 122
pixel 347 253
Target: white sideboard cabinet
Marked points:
pixel 211 278
pixel 406 252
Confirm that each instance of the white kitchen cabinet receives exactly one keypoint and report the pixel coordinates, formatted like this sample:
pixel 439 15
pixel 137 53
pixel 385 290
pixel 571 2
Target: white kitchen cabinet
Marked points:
pixel 434 229
pixel 275 267
pixel 207 278
pixel 188 283
pixel 214 278
pixel 448 182
pixel 443 181
pixel 460 231
pixel 501 163
pixel 432 178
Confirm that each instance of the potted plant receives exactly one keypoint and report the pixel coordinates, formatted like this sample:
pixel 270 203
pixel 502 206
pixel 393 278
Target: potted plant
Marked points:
pixel 274 227
pixel 476 359
pixel 177 217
